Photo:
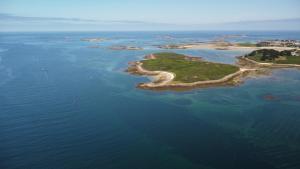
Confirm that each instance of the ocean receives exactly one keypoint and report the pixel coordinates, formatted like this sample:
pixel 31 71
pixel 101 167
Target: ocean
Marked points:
pixel 69 104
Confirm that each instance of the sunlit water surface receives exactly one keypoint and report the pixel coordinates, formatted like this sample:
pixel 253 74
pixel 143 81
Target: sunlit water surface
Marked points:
pixel 65 105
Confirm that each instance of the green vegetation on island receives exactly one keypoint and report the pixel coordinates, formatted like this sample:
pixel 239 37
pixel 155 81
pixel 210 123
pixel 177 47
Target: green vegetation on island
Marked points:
pixel 188 69
pixel 247 44
pixel 274 56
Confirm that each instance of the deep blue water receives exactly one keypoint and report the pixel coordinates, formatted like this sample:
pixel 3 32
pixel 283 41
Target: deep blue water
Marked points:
pixel 64 105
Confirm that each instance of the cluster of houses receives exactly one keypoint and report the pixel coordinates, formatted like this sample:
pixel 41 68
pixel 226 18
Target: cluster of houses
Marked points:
pixel 279 43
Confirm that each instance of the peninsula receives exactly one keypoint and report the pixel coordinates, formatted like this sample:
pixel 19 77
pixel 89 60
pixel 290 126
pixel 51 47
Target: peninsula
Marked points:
pixel 171 70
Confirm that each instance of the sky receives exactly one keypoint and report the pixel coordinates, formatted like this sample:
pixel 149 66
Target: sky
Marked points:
pixel 146 14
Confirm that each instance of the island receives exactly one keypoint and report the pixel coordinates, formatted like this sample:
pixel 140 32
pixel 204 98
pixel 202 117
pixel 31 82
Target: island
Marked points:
pixel 93 39
pixel 121 47
pixel 172 70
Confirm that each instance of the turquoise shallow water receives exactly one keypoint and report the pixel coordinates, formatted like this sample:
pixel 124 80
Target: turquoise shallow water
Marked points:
pixel 65 105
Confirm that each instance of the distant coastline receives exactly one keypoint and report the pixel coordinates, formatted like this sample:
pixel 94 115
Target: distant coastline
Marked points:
pixel 279 45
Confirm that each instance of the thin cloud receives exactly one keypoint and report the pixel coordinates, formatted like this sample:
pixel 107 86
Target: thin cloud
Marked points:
pixel 10 17
pixel 15 18
pixel 14 22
